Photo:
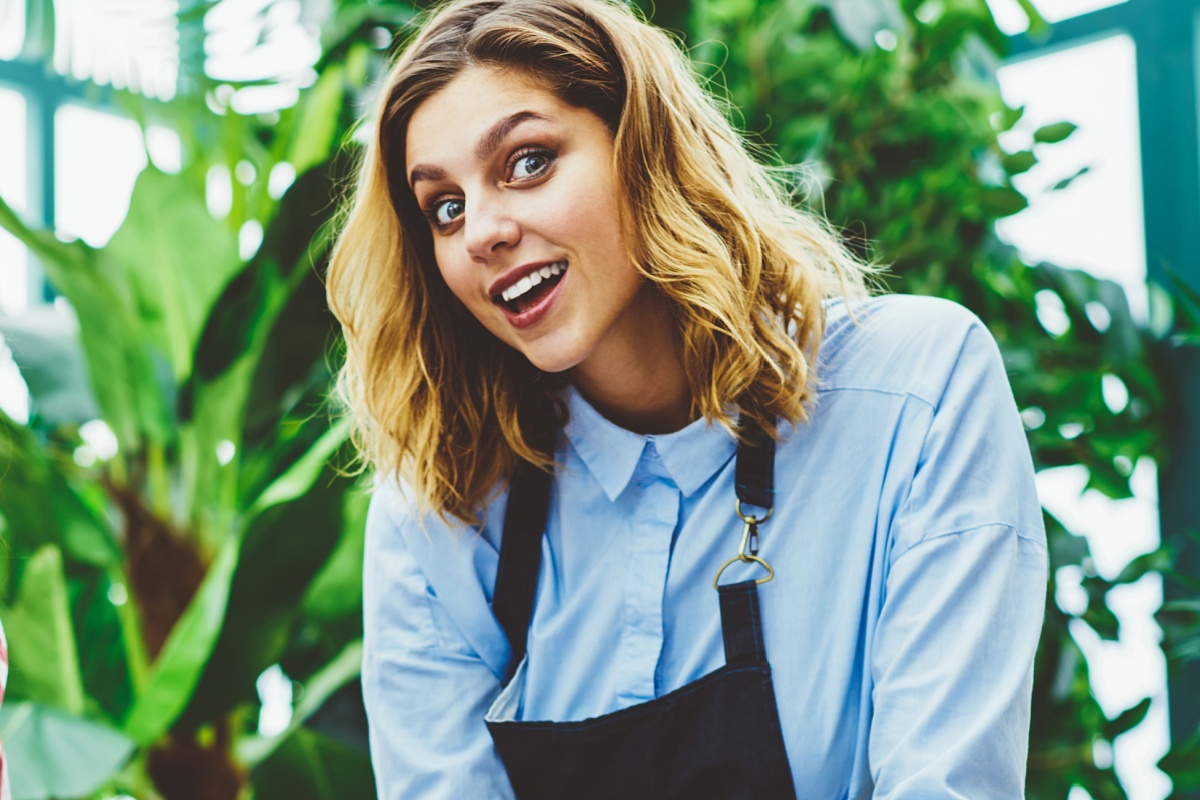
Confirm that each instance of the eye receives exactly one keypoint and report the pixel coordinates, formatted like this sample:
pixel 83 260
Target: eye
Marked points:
pixel 444 212
pixel 530 164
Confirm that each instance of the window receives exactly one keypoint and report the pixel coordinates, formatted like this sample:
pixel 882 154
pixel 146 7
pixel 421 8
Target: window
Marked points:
pixel 1096 224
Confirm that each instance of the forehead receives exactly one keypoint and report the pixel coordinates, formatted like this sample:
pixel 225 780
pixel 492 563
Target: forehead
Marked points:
pixel 449 124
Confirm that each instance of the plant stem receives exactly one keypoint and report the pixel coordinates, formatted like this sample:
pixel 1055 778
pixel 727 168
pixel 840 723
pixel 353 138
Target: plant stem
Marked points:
pixel 156 477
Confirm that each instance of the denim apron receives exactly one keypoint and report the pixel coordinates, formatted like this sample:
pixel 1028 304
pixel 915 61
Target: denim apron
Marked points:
pixel 717 738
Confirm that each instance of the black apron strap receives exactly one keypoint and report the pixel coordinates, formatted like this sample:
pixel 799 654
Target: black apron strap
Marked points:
pixel 521 556
pixel 742 625
pixel 755 473
pixel 525 523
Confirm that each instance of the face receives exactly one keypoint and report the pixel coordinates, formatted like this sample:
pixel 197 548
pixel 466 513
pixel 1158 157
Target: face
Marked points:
pixel 519 192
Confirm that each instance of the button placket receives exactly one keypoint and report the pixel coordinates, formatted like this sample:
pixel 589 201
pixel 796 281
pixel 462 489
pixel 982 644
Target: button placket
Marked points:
pixel 650 544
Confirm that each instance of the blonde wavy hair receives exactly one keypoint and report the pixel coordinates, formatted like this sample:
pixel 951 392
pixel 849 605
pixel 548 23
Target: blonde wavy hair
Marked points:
pixel 437 401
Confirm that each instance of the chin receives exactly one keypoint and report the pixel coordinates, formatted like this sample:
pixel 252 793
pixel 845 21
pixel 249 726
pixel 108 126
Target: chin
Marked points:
pixel 551 364
pixel 554 359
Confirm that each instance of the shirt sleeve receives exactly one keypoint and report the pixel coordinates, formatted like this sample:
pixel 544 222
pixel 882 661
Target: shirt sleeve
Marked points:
pixel 952 660
pixel 425 689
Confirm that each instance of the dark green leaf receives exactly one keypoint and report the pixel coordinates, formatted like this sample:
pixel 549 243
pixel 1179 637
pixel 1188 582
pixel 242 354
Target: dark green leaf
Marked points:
pixel 1056 132
pixel 1002 201
pixel 1159 560
pixel 1016 163
pixel 1067 181
pixel 315 767
pixel 1127 720
pixel 1182 763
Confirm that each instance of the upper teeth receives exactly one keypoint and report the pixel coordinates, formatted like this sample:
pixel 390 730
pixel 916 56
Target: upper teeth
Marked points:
pixel 531 280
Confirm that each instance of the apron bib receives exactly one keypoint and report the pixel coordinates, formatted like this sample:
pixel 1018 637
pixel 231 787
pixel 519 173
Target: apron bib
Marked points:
pixel 717 738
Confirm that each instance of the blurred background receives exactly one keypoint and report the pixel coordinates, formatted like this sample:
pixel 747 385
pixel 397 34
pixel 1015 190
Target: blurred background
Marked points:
pixel 182 561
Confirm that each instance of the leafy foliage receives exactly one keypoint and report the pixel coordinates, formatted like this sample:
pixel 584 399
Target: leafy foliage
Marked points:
pixel 149 590
pixel 900 138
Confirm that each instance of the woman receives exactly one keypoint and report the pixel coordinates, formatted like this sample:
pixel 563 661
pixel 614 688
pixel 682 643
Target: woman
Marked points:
pixel 595 358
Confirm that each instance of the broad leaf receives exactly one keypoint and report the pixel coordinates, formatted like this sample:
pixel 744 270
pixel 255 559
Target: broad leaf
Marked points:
pixel 175 259
pixel 230 356
pixel 53 754
pixel 273 573
pixel 304 472
pixel 43 658
pixel 174 674
pixel 1054 133
pixel 125 375
pixel 1128 719
pixel 316 129
pixel 41 507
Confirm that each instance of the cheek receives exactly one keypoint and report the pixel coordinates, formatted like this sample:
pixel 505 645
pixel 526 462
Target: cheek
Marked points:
pixel 456 275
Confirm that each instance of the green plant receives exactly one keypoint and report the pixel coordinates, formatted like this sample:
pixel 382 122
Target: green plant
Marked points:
pixel 148 589
pixel 890 107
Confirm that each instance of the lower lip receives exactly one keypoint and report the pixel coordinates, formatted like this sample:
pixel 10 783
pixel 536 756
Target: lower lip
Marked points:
pixel 535 314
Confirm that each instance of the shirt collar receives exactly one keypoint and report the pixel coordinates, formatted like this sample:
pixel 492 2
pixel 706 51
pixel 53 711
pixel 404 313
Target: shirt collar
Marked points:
pixel 690 456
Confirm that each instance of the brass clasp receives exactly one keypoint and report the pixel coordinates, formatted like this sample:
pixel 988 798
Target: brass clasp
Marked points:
pixel 748 547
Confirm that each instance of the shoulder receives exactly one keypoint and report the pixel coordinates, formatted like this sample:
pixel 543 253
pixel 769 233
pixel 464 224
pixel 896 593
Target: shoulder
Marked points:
pixel 418 566
pixel 903 344
pixel 397 518
pixel 392 517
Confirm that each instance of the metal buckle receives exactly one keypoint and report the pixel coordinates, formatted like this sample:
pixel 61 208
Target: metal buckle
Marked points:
pixel 737 506
pixel 748 548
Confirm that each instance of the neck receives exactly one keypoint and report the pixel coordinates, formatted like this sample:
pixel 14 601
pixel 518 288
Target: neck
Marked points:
pixel 639 383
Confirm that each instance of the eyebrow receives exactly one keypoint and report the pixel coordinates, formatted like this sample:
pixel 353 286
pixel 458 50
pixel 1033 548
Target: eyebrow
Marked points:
pixel 483 149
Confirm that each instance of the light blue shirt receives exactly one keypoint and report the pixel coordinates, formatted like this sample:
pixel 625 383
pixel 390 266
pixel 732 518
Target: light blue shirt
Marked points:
pixel 901 626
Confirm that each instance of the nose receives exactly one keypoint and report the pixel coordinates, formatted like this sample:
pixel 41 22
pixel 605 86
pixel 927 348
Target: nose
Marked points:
pixel 489 228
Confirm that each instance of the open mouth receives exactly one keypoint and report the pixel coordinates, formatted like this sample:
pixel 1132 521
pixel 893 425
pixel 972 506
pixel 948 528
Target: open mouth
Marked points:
pixel 529 291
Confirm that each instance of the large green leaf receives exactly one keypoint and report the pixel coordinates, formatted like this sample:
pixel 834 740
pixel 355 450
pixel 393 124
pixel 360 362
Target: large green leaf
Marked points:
pixel 303 473
pixel 314 133
pixel 288 409
pixel 108 637
pixel 249 369
pixel 178 667
pixel 53 754
pixel 336 592
pixel 45 507
pixel 126 377
pixel 284 547
pixel 245 313
pixel 175 259
pixel 43 658
pixel 42 507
